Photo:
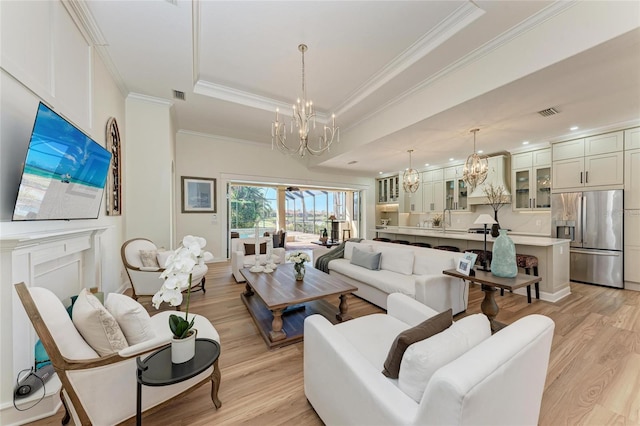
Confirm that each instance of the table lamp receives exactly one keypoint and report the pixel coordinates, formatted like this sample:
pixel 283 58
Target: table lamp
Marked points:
pixel 484 219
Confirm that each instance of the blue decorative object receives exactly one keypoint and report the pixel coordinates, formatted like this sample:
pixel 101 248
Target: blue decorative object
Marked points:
pixel 503 262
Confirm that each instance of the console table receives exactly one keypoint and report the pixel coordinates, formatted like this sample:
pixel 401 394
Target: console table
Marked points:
pixel 490 283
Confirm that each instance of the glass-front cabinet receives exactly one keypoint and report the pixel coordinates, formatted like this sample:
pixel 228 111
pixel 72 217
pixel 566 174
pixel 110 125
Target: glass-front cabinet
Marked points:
pixel 455 189
pixel 388 189
pixel 532 180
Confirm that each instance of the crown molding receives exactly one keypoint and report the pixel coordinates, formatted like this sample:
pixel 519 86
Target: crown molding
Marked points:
pixel 503 39
pixel 84 20
pixel 458 20
pixel 222 138
pixel 149 99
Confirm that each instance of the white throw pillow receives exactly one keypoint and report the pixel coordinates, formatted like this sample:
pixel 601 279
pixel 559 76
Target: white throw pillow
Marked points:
pixel 163 256
pixel 422 359
pixel 349 245
pixel 97 326
pixel 132 317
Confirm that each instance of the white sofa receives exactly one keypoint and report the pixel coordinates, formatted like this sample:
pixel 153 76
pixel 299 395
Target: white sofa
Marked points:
pixel 414 271
pixel 240 260
pixel 499 381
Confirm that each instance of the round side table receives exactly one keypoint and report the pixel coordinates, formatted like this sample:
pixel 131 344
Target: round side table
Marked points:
pixel 158 370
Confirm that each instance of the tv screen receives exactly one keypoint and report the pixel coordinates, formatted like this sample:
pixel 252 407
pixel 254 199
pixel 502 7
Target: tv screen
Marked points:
pixel 64 172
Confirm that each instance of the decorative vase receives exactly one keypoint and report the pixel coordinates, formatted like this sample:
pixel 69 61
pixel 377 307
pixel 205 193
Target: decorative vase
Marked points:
pixel 495 228
pixel 182 350
pixel 503 259
pixel 299 271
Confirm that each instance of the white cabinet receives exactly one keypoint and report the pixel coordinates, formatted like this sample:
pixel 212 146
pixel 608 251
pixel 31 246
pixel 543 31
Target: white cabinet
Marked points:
pixel 433 191
pixel 589 162
pixel 413 201
pixel 632 138
pixel 388 189
pixel 632 179
pixel 531 180
pixel 632 246
pixel 455 189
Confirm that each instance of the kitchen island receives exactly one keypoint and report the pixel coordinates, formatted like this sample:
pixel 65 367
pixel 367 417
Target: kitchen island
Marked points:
pixel 552 253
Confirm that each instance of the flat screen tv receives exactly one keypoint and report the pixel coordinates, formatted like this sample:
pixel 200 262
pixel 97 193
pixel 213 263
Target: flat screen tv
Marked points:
pixel 64 172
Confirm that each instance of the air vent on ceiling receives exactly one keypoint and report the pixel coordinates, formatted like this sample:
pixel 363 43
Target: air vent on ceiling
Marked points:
pixel 178 95
pixel 352 162
pixel 548 112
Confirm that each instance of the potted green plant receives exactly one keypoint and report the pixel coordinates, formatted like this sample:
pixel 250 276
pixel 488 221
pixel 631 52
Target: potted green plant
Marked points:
pixel 177 277
pixel 436 221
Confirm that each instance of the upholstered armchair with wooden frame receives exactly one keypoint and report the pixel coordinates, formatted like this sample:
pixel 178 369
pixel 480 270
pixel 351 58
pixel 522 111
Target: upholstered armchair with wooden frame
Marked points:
pixel 145 280
pixel 101 390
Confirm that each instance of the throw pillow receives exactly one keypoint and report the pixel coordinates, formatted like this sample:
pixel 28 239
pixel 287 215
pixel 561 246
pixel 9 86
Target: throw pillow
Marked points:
pixel 365 259
pixel 149 258
pixel 250 249
pixel 133 319
pixel 424 330
pixel 163 256
pixel 96 325
pixel 422 359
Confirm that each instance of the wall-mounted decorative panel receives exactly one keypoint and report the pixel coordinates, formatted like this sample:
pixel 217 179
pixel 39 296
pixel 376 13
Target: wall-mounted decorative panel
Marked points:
pixel 44 50
pixel 26 50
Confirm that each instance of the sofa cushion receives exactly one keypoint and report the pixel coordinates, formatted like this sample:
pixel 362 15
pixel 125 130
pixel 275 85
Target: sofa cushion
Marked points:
pixel 422 359
pixel 396 260
pixel 422 331
pixel 386 281
pixel 430 261
pixel 250 249
pixel 372 335
pixel 132 317
pixel 96 325
pixel 349 245
pixel 365 259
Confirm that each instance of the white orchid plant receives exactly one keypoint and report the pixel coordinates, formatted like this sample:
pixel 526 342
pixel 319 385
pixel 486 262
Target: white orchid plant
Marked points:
pixel 177 278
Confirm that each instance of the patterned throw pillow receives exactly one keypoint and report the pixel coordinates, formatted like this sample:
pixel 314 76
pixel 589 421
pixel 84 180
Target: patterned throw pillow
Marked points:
pixel 250 249
pixel 149 258
pixel 96 325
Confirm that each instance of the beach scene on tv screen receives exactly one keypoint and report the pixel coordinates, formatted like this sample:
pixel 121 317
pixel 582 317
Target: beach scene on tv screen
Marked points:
pixel 64 172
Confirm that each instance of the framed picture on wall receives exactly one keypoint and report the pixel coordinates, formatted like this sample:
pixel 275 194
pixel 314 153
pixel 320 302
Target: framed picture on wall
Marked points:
pixel 198 195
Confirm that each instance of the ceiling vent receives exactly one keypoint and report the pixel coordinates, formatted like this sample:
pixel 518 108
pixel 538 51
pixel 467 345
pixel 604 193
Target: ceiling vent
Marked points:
pixel 548 112
pixel 178 95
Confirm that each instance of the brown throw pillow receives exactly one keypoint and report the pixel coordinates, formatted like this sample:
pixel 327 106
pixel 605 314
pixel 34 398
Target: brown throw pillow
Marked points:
pixel 251 249
pixel 424 330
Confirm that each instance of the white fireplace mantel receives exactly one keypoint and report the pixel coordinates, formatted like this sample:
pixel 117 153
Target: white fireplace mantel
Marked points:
pixel 63 260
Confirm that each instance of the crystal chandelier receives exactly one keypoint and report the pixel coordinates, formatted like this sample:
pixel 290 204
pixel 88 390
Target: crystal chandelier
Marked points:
pixel 304 116
pixel 476 166
pixel 410 178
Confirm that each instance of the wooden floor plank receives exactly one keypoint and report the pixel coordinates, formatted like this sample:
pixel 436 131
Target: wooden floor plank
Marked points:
pixel 593 377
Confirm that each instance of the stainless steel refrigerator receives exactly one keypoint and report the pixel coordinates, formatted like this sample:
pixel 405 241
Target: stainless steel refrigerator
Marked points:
pixel 593 221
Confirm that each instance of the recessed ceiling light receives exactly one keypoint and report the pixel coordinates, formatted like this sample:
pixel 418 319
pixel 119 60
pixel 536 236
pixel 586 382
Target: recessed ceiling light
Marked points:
pixel 480 151
pixel 525 143
pixel 451 159
pixel 379 173
pixel 574 128
pixel 426 164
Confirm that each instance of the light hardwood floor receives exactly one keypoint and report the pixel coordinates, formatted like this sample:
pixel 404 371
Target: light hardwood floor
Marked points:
pixel 593 376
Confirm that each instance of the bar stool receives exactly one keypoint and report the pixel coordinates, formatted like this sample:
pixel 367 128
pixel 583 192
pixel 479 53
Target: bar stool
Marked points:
pixel 480 254
pixel 345 232
pixel 382 239
pixel 527 262
pixel 425 245
pixel 448 248
pixel 405 242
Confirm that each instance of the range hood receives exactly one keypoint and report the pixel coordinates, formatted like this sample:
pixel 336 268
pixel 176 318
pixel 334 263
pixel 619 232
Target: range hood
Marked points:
pixel 497 175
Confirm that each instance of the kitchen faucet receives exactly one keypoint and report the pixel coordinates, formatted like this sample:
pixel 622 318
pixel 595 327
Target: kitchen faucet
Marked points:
pixel 444 220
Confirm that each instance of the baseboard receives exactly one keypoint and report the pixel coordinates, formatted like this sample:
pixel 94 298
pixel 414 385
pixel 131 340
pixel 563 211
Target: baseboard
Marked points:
pixel 547 297
pixel 628 285
pixel 48 407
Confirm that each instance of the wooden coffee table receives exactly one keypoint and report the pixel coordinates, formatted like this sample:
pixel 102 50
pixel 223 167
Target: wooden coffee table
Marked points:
pixel 490 283
pixel 283 303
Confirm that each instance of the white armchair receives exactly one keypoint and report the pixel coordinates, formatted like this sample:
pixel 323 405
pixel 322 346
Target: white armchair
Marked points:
pixel 145 280
pixel 101 390
pixel 496 380
pixel 241 260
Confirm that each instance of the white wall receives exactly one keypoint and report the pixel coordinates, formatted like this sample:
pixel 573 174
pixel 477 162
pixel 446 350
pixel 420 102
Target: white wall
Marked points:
pixel 148 157
pixel 45 57
pixel 227 160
